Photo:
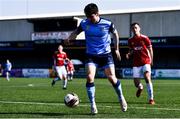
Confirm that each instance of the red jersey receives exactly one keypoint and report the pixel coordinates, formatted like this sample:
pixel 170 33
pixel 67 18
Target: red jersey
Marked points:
pixel 59 58
pixel 70 66
pixel 139 45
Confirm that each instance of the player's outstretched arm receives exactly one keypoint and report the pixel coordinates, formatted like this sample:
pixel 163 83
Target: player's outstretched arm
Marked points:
pixel 116 44
pixel 128 55
pixel 72 36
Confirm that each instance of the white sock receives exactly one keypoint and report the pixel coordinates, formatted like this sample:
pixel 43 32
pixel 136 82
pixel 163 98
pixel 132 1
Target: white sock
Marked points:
pixel 7 78
pixel 90 88
pixel 64 83
pixel 140 86
pixel 150 90
pixel 118 90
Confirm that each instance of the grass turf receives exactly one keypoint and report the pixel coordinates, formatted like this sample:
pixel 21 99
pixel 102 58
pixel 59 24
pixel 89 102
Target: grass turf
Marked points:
pixel 35 98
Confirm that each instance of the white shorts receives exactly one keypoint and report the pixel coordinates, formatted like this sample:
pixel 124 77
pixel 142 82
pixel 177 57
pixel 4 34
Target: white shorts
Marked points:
pixel 138 72
pixel 61 71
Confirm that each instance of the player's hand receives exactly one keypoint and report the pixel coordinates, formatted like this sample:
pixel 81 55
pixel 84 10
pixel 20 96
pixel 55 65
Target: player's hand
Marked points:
pixel 152 63
pixel 127 55
pixel 118 56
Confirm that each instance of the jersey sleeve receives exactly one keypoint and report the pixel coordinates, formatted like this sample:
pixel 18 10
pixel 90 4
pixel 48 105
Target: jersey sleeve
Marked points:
pixel 112 28
pixel 148 42
pixel 79 28
pixel 129 44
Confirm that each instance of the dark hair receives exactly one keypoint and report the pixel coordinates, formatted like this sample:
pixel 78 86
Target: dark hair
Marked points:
pixel 133 24
pixel 91 9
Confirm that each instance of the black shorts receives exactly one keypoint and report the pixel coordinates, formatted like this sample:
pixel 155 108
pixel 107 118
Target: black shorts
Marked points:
pixel 7 71
pixel 101 61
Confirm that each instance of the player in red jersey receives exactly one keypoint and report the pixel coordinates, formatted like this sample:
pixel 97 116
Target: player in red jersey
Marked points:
pixel 70 70
pixel 1 70
pixel 141 49
pixel 59 58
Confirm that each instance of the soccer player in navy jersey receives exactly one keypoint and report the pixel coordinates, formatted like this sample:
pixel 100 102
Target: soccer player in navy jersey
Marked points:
pixel 1 70
pixel 8 67
pixel 140 48
pixel 97 35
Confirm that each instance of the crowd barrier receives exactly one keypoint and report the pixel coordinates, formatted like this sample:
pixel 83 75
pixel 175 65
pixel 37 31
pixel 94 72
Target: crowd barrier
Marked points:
pixel 155 73
pixel 81 73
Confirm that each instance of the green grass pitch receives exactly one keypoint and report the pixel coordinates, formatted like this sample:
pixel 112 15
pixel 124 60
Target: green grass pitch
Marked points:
pixel 35 98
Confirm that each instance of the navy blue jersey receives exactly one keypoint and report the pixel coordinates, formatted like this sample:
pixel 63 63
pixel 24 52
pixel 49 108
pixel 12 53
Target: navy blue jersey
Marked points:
pixel 8 66
pixel 97 36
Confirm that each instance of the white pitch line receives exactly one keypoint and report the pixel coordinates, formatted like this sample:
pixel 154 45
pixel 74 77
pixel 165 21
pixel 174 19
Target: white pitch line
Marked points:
pixel 30 103
pixel 27 85
pixel 62 104
pixel 156 108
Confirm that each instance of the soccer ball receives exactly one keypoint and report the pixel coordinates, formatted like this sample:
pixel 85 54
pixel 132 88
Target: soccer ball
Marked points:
pixel 71 100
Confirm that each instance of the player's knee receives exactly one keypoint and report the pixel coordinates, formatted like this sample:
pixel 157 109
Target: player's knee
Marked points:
pixel 147 74
pixel 147 77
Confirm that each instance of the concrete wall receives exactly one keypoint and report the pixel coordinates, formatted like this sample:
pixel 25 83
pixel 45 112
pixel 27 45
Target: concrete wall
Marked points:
pixel 121 23
pixel 153 24
pixel 15 30
pixel 159 23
